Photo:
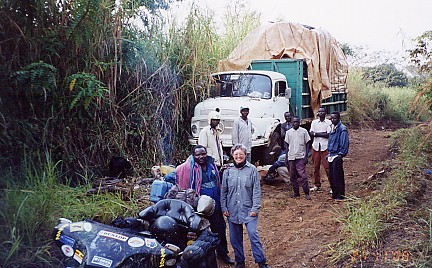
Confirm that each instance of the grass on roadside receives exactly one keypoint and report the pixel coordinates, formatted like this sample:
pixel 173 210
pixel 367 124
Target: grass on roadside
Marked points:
pixel 365 220
pixel 371 102
pixel 31 205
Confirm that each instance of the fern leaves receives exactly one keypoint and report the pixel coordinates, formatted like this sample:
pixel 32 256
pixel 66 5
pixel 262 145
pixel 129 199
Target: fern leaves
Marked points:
pixel 84 88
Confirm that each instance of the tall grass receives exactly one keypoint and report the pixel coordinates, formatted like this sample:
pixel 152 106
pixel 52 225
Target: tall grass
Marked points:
pixel 368 103
pixel 195 47
pixel 366 219
pixel 33 201
pixel 144 114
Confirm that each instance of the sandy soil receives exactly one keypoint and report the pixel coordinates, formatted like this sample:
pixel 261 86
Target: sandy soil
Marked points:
pixel 297 232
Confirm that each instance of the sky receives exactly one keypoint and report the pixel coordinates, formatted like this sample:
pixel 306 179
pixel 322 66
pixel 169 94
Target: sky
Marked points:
pixel 388 25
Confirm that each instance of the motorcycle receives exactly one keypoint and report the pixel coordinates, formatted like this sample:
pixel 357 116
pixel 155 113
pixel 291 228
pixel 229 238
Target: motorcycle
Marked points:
pixel 167 234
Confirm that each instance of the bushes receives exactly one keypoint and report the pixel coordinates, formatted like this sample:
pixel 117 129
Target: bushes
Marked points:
pixel 386 74
pixel 368 103
pixel 100 88
pixel 32 204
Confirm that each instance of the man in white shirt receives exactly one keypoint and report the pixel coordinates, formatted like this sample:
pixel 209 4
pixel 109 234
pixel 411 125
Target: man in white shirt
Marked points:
pixel 242 131
pixel 298 140
pixel 209 137
pixel 320 129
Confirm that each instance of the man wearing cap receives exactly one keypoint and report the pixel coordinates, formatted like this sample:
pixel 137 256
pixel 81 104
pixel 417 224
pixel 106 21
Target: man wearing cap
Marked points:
pixel 242 131
pixel 209 137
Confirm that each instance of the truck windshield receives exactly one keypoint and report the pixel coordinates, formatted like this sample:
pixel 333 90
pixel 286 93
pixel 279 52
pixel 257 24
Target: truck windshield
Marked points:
pixel 238 85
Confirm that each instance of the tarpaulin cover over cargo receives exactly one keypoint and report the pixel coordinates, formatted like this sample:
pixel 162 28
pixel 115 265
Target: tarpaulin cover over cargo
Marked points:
pixel 327 65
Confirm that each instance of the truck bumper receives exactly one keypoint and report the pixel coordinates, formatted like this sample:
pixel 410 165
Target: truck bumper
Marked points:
pixel 193 141
pixel 226 144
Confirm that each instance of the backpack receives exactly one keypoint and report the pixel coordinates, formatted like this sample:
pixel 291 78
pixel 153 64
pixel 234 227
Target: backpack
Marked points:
pixel 189 195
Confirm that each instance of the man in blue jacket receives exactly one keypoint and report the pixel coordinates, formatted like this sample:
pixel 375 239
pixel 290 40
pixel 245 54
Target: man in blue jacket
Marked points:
pixel 200 173
pixel 338 144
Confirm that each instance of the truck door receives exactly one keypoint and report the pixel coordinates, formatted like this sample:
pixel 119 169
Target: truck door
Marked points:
pixel 282 94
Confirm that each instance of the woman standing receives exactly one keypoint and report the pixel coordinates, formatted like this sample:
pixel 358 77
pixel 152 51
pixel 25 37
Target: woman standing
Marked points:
pixel 240 202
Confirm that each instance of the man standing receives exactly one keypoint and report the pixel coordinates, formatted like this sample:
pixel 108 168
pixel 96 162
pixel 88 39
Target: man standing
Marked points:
pixel 297 139
pixel 242 131
pixel 285 126
pixel 338 144
pixel 201 174
pixel 319 130
pixel 209 137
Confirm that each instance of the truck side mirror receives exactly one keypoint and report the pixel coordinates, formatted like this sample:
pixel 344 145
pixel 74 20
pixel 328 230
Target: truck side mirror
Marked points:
pixel 288 93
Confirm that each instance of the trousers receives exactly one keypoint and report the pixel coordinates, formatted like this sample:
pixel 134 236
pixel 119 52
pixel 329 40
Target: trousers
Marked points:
pixel 236 239
pixel 319 158
pixel 218 225
pixel 337 178
pixel 297 170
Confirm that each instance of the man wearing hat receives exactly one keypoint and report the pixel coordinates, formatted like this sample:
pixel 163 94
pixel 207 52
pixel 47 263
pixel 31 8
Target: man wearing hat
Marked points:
pixel 209 137
pixel 242 131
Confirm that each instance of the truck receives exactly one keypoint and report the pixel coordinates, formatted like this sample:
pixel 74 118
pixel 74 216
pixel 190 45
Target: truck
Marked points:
pixel 277 67
pixel 269 88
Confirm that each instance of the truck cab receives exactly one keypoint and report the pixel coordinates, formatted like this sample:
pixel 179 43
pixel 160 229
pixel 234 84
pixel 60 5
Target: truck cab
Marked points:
pixel 266 93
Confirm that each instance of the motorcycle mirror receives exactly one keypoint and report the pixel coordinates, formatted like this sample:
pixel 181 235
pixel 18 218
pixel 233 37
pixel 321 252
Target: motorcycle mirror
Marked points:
pixel 173 248
pixel 63 221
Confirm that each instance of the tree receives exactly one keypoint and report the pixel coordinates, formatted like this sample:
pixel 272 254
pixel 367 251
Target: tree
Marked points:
pixel 80 80
pixel 387 74
pixel 347 49
pixel 361 56
pixel 421 55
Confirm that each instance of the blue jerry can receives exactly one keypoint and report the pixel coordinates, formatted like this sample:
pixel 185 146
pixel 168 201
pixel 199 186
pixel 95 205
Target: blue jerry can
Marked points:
pixel 159 189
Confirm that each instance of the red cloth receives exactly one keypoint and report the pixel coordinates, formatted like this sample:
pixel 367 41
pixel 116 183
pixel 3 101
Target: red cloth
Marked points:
pixel 187 177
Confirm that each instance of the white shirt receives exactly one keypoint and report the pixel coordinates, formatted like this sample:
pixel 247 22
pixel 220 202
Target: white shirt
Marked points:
pixel 242 133
pixel 210 138
pixel 320 143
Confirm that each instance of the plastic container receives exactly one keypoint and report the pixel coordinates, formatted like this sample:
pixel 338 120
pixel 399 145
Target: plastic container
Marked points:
pixel 166 169
pixel 158 190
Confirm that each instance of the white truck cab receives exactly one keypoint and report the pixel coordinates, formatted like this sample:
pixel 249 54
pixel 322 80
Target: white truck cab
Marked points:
pixel 265 93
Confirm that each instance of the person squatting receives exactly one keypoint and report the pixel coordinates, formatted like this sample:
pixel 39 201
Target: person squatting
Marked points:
pixel 236 186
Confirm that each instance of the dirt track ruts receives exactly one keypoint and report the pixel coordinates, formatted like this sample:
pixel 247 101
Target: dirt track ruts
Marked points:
pixel 297 232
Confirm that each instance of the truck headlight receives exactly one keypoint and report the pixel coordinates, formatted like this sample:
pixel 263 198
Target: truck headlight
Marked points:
pixel 194 129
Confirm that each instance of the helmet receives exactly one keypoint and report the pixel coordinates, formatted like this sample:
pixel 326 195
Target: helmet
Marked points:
pixel 213 115
pixel 206 205
pixel 244 107
pixel 156 172
pixel 166 229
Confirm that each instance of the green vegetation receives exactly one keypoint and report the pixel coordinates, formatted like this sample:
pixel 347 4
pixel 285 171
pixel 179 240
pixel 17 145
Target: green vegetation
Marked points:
pixel 368 220
pixel 369 103
pixel 393 225
pixel 81 82
pixel 385 74
pixel 421 55
pixel 33 200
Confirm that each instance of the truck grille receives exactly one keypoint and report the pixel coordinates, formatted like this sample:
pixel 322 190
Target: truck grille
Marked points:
pixel 223 112
pixel 227 125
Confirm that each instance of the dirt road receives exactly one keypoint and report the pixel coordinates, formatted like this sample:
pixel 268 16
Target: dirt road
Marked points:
pixel 297 232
